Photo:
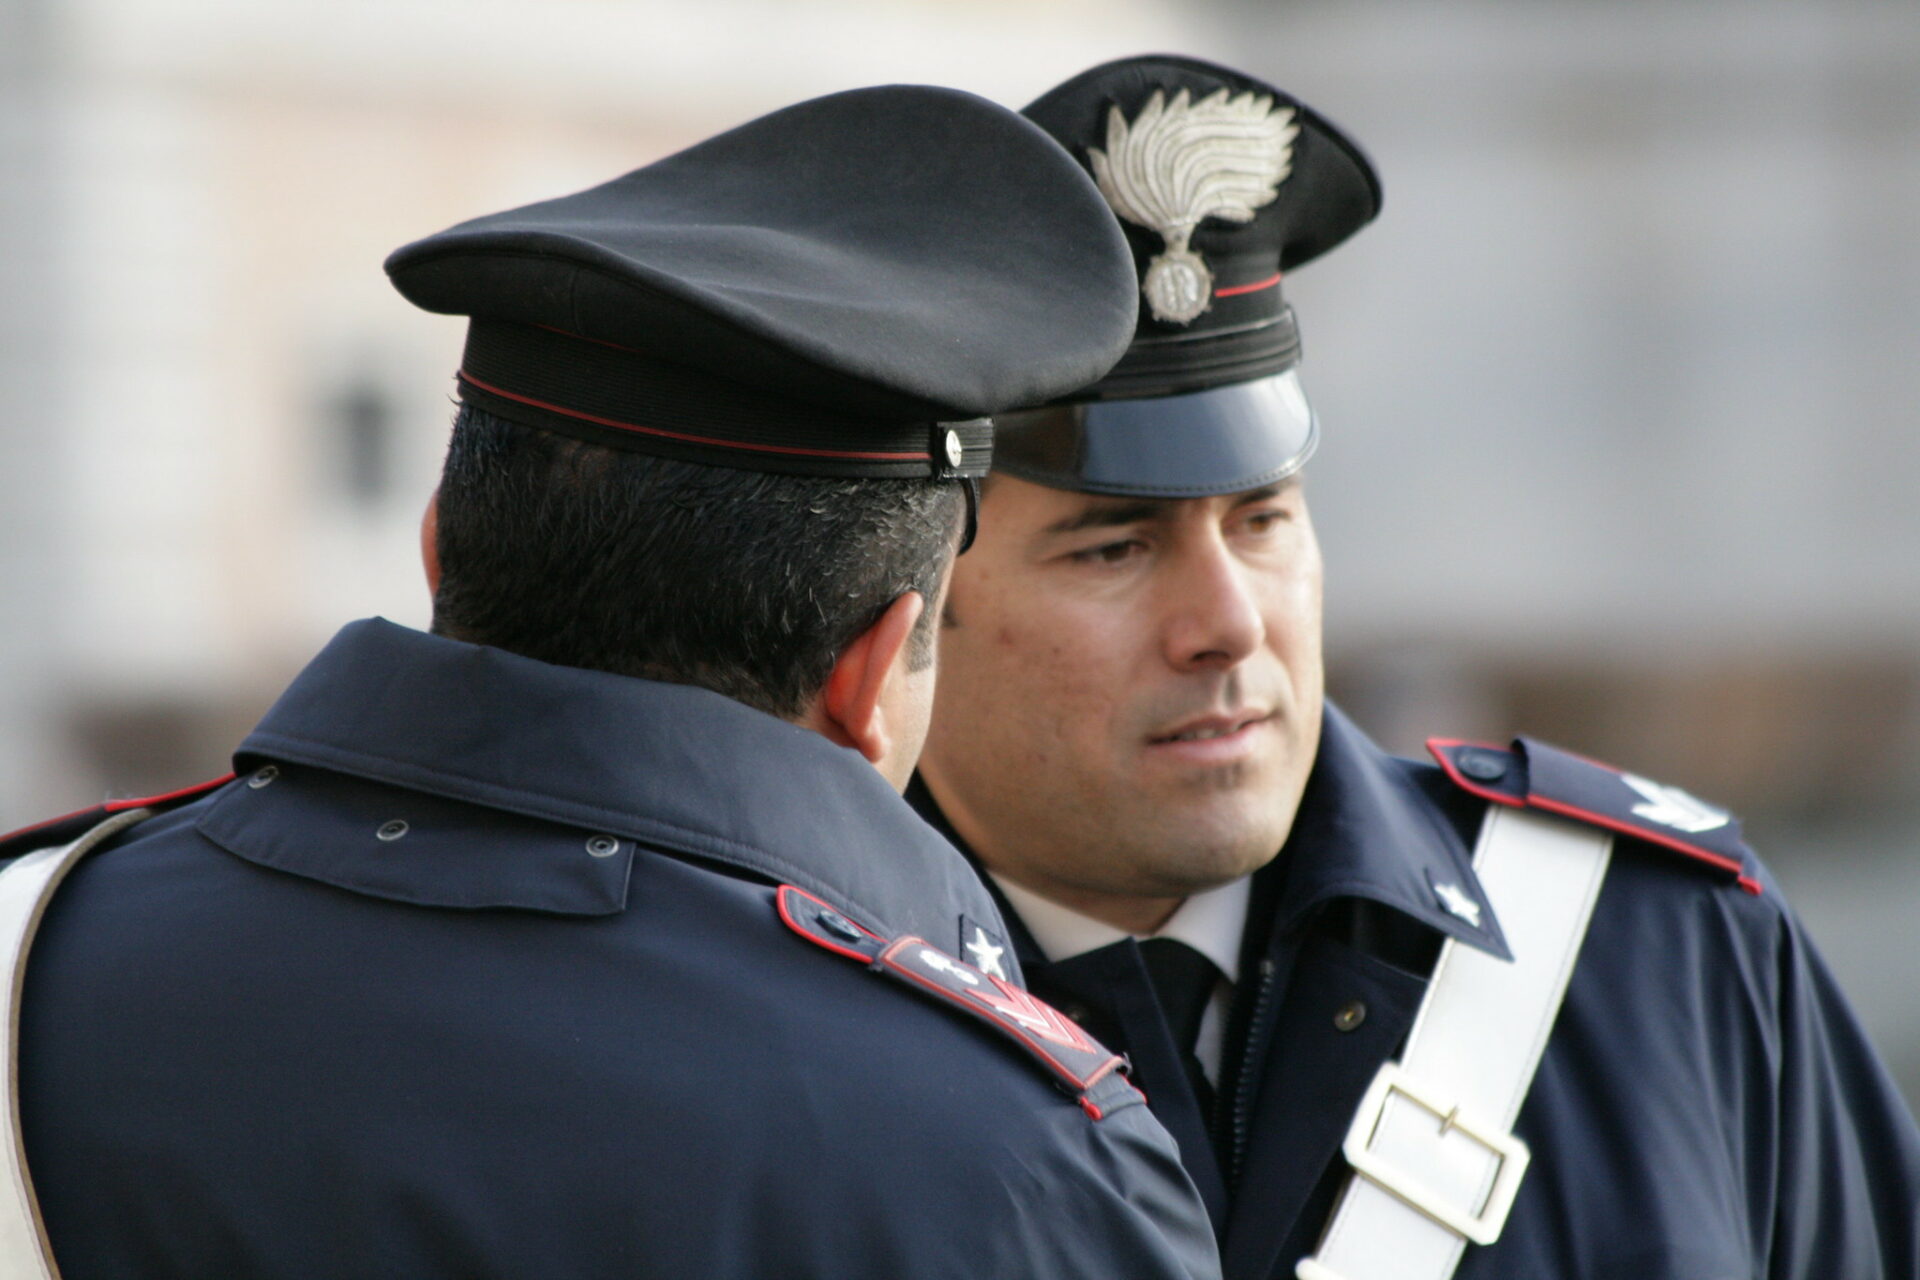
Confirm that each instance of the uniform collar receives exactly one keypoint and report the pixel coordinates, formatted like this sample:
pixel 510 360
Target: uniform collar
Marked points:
pixel 662 764
pixel 1211 923
pixel 1369 828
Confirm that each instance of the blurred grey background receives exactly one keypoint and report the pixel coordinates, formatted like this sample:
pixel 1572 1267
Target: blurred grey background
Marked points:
pixel 1621 395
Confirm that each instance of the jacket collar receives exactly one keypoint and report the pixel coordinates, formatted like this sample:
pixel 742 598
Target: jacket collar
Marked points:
pixel 662 764
pixel 1368 828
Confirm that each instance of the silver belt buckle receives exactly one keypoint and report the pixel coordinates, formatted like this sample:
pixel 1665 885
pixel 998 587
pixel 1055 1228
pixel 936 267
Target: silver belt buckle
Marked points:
pixel 1481 1226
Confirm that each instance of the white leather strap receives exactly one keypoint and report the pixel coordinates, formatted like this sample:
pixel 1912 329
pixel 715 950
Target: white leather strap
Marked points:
pixel 27 884
pixel 1435 1161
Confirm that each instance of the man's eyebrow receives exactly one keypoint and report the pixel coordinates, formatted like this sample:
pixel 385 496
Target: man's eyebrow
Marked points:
pixel 1267 491
pixel 1107 515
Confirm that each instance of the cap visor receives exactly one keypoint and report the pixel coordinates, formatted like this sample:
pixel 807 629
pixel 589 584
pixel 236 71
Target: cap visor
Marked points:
pixel 1222 440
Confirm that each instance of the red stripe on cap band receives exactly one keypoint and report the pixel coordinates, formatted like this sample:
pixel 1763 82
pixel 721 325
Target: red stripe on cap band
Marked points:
pixel 693 439
pixel 1255 287
pixel 598 342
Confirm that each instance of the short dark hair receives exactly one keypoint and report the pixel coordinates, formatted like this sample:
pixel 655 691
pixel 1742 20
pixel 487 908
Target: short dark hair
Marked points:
pixel 742 582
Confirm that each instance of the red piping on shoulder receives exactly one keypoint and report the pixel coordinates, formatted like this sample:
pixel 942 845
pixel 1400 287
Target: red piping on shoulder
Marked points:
pixel 1641 833
pixel 1438 747
pixel 1093 1108
pixel 121 806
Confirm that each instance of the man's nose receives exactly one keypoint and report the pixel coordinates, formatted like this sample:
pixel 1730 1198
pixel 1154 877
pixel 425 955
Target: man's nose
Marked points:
pixel 1213 618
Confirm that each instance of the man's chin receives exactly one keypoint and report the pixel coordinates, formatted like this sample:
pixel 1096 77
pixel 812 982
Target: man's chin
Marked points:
pixel 1212 850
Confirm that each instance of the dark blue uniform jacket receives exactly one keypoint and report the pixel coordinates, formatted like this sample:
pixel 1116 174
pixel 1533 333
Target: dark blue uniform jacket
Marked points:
pixel 554 1027
pixel 1707 1107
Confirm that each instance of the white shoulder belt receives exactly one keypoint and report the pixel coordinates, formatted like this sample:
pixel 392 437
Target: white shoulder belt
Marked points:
pixel 27 884
pixel 1435 1161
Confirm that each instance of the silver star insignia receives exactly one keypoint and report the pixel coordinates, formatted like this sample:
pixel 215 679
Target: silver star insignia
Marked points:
pixel 1455 900
pixel 986 956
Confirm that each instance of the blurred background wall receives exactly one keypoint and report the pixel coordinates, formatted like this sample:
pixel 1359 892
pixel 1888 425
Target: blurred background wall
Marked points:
pixel 1619 395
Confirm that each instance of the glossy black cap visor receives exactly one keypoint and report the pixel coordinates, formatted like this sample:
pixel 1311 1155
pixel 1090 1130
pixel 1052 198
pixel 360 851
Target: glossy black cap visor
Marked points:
pixel 1196 444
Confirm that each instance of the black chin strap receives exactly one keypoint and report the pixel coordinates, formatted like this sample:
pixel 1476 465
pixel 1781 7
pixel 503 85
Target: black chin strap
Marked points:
pixel 971 484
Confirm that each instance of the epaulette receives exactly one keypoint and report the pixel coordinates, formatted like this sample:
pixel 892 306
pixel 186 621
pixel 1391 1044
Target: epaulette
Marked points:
pixel 1083 1068
pixel 70 827
pixel 1533 775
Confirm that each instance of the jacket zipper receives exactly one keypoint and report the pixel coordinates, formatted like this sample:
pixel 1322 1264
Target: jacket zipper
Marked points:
pixel 1244 1080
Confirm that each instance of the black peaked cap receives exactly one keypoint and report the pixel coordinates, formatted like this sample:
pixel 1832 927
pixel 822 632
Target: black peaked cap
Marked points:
pixel 1222 184
pixel 818 290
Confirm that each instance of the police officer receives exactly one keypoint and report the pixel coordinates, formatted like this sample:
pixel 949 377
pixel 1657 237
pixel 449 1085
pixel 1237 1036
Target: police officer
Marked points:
pixel 1216 871
pixel 588 935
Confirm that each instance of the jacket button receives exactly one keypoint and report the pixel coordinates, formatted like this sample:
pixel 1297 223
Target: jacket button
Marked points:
pixel 263 775
pixel 1485 766
pixel 1351 1015
pixel 603 846
pixel 391 830
pixel 839 926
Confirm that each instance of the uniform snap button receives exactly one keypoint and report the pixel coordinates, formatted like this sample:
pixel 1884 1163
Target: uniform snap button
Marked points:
pixel 1485 766
pixel 1351 1015
pixel 603 846
pixel 391 830
pixel 262 776
pixel 839 926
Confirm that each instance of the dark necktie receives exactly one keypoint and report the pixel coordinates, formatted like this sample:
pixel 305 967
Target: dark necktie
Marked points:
pixel 1184 981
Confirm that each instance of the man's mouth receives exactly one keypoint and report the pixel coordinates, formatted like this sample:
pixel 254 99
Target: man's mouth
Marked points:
pixel 1210 727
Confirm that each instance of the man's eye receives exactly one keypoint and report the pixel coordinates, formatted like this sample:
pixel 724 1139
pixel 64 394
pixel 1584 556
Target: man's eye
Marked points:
pixel 1266 520
pixel 1109 552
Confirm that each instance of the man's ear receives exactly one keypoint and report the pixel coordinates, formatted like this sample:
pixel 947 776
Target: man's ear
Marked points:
pixel 430 543
pixel 851 706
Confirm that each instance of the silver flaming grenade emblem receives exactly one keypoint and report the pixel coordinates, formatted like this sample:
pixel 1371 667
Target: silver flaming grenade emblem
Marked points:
pixel 1179 162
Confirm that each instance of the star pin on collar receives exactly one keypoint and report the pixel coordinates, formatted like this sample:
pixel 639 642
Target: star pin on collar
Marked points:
pixel 1458 902
pixel 984 948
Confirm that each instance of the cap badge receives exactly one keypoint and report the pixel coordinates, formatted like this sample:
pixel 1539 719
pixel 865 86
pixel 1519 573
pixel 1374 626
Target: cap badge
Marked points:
pixel 1181 161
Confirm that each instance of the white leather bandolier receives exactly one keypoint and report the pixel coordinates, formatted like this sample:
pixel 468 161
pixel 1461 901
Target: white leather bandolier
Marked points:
pixel 1435 1161
pixel 27 884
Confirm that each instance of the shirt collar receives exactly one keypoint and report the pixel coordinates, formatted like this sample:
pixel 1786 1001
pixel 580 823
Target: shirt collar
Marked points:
pixel 1211 923
pixel 663 764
